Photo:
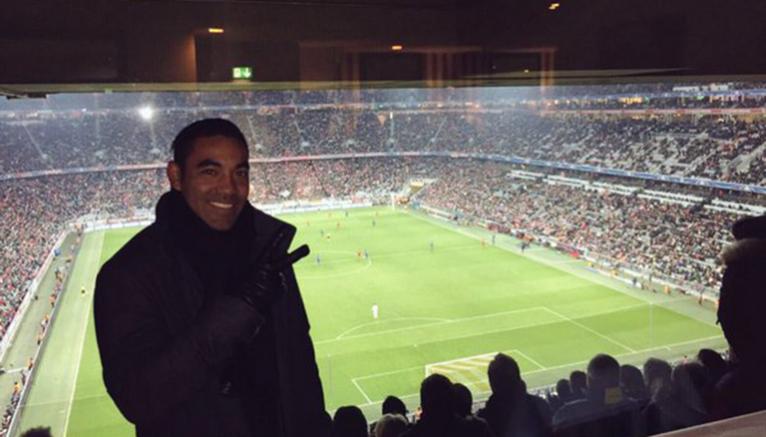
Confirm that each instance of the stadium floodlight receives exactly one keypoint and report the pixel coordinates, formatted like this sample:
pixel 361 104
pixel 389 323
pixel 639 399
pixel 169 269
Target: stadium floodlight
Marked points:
pixel 146 112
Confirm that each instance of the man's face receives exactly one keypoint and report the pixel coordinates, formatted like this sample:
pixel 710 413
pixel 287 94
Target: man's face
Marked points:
pixel 214 180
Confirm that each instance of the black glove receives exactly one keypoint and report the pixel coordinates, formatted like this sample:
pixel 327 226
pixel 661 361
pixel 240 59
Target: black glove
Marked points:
pixel 232 320
pixel 264 286
pixel 224 325
pixel 266 282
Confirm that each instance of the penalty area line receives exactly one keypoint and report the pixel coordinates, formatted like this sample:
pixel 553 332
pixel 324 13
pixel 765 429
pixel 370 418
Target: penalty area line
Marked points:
pixel 358 387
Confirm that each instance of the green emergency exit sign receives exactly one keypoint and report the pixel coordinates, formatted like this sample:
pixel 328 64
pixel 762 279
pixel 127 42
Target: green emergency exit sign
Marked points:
pixel 241 73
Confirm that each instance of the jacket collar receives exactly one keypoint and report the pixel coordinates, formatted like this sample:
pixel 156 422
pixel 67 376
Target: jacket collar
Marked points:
pixel 265 227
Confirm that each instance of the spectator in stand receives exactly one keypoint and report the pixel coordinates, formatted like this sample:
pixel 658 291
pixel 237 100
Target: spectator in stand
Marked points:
pixel 394 405
pixel 349 421
pixel 462 402
pixel 685 405
pixel 578 381
pixel 438 418
pixel 562 396
pixel 510 410
pixel 606 411
pixel 390 425
pixel 632 383
pixel 714 364
pixel 743 297
pixel 657 374
pixel 391 405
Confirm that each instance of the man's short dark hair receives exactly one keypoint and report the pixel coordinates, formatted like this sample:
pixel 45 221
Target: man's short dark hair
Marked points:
pixel 209 127
pixel 578 382
pixel 462 399
pixel 632 382
pixel 563 389
pixel 604 371
pixel 349 421
pixel 436 395
pixel 714 364
pixel 657 369
pixel 504 374
pixel 394 405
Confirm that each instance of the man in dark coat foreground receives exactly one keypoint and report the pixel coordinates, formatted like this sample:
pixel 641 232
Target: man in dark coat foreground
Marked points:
pixel 200 324
pixel 742 389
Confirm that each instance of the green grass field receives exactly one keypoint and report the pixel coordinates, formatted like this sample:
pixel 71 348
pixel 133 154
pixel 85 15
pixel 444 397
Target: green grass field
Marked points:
pixel 463 299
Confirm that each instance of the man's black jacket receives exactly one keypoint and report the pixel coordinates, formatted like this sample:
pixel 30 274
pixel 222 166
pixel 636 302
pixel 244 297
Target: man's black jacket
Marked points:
pixel 147 302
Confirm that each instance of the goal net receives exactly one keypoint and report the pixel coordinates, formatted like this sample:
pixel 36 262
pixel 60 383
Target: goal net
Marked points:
pixel 469 371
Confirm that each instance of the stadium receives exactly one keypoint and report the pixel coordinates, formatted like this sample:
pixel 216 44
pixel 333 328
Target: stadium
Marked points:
pixel 550 227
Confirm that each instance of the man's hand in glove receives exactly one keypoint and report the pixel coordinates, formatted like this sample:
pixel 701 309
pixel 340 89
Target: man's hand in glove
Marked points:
pixel 266 283
pixel 234 319
pixel 263 286
pixel 225 323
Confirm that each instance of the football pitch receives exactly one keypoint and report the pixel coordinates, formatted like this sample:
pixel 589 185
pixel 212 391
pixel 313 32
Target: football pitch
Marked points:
pixel 448 300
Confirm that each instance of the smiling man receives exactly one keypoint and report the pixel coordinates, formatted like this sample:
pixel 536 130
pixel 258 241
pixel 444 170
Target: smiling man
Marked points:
pixel 199 320
pixel 213 179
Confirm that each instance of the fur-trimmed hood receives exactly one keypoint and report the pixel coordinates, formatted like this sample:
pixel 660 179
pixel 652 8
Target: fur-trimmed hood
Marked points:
pixel 745 249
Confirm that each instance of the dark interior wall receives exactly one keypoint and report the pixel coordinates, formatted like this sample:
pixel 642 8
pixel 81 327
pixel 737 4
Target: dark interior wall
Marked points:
pixel 158 41
pixel 51 60
pixel 269 60
pixel 391 66
pixel 320 63
pixel 157 55
pixel 57 41
pixel 307 42
pixel 701 37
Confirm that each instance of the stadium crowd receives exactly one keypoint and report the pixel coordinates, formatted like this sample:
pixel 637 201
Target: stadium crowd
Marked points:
pixel 607 399
pixel 35 211
pixel 645 234
pixel 715 146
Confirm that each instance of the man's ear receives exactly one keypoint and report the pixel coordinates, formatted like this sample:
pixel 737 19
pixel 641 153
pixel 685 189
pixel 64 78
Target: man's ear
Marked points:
pixel 173 170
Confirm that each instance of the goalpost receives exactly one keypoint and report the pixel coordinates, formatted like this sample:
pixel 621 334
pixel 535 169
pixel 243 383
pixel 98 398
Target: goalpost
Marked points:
pixel 469 371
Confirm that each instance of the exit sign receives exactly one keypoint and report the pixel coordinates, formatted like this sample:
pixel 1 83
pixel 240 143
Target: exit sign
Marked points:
pixel 241 73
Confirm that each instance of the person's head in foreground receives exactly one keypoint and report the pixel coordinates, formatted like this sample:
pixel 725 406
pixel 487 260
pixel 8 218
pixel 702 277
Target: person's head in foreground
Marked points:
pixel 210 170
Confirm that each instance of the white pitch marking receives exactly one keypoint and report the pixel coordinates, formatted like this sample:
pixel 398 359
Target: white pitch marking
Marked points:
pixel 562 366
pixel 407 328
pixel 591 330
pixel 82 340
pixel 530 359
pixel 360 390
pixel 348 331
